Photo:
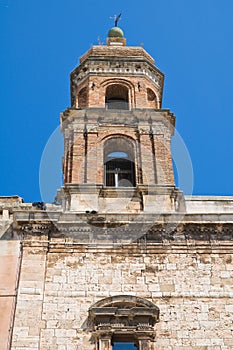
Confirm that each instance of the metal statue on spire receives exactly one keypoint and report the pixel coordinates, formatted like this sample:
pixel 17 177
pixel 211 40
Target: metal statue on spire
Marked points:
pixel 116 19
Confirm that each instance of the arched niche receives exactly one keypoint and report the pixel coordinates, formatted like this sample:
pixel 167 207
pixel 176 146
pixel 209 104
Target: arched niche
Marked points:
pixel 82 98
pixel 119 162
pixel 151 98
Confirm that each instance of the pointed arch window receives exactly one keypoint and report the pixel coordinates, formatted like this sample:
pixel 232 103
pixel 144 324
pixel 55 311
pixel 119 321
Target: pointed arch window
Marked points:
pixel 117 97
pixel 119 166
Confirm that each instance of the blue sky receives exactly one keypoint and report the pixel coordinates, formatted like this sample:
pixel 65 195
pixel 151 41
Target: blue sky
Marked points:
pixel 41 42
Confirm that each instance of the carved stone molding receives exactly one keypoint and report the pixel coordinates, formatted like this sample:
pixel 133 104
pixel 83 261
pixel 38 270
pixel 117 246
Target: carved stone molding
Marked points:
pixel 123 318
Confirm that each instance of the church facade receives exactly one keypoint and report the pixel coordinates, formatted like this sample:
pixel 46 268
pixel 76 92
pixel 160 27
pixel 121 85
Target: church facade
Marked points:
pixel 126 261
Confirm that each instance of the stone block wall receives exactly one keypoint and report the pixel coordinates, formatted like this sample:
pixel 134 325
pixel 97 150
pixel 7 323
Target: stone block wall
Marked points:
pixel 192 287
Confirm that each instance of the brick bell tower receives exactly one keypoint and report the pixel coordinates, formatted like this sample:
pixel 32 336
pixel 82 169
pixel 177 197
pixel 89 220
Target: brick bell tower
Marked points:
pixel 117 155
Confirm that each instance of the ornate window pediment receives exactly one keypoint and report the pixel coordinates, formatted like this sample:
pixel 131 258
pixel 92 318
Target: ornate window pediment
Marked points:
pixel 126 318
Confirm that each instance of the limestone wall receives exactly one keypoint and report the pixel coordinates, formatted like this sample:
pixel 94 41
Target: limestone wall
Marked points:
pixel 9 269
pixel 192 286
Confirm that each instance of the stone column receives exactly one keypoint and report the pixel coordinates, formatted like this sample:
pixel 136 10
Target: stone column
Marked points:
pixel 105 342
pixel 143 343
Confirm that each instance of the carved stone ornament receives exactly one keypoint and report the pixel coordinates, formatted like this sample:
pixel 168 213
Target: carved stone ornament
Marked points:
pixel 123 313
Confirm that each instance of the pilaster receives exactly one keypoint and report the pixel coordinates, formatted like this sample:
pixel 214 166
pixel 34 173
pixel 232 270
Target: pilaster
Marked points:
pixel 28 321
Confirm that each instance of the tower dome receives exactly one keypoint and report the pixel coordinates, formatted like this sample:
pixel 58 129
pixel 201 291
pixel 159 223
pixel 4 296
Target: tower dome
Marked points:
pixel 115 32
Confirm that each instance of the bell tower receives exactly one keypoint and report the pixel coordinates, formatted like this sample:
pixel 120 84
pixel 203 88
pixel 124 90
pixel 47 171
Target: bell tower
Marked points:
pixel 117 155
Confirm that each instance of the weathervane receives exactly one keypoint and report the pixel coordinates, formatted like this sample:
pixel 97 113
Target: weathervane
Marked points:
pixel 116 19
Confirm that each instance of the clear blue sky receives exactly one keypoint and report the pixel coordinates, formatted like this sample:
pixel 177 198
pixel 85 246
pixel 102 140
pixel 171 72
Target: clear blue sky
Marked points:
pixel 41 42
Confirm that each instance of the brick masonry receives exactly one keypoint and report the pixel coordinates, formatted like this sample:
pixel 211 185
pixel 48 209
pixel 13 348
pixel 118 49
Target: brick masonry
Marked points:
pixel 131 67
pixel 154 152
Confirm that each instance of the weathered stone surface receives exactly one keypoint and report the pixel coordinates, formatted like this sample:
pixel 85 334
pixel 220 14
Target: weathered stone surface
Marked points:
pixel 193 292
pixel 9 270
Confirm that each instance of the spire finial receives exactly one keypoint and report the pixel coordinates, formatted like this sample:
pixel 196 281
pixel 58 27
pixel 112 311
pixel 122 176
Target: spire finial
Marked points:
pixel 116 34
pixel 116 19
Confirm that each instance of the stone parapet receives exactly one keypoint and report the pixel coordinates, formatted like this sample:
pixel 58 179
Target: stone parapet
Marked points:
pixel 209 204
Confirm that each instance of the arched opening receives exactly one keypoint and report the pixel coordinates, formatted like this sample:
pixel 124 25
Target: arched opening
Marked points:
pixel 117 97
pixel 151 98
pixel 82 98
pixel 119 167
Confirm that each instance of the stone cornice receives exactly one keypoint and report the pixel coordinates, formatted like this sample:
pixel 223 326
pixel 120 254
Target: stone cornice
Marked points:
pixel 22 216
pixel 95 117
pixel 148 72
pixel 109 233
